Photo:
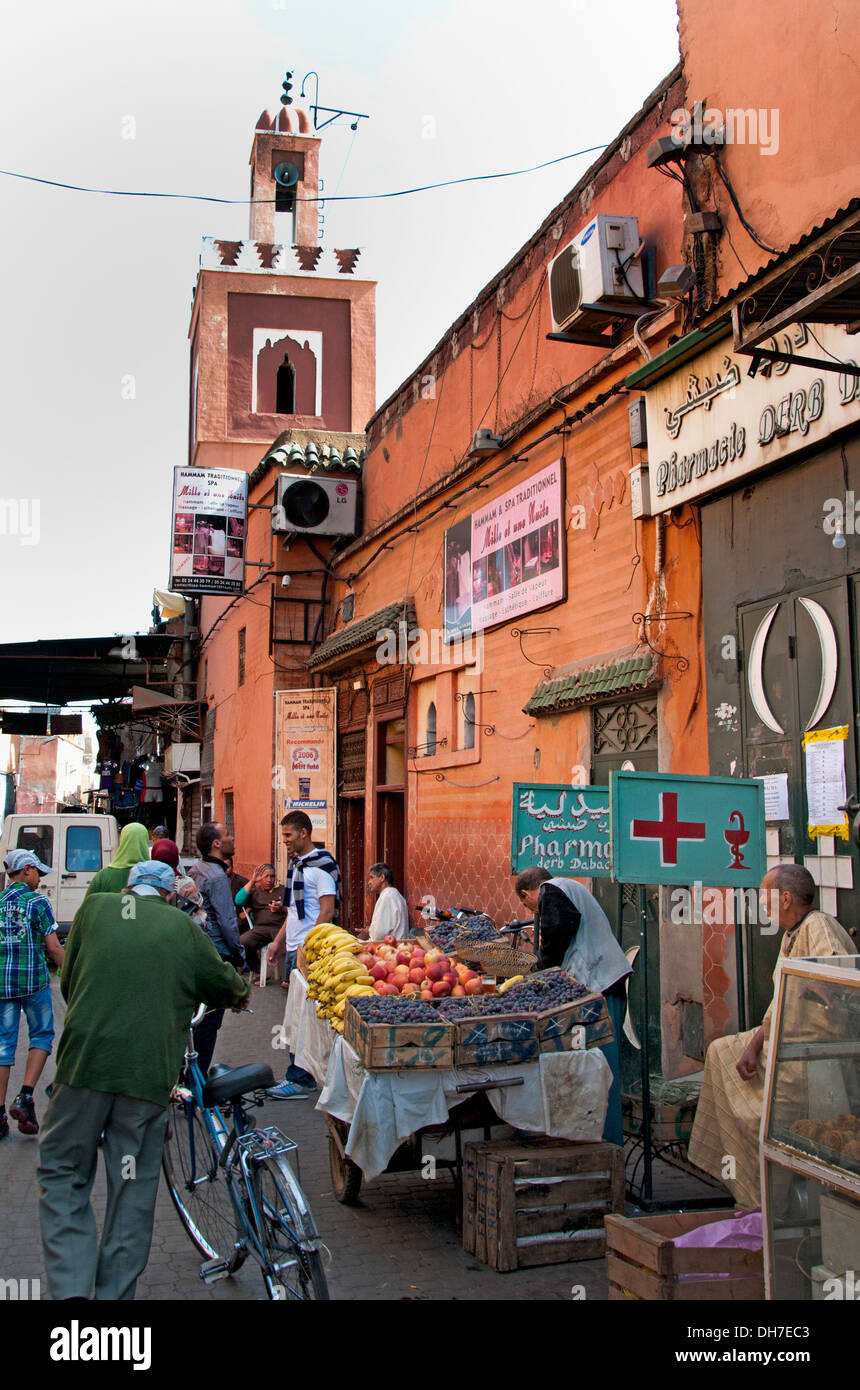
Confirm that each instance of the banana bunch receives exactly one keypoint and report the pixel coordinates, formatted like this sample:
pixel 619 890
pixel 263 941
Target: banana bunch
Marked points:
pixel 334 974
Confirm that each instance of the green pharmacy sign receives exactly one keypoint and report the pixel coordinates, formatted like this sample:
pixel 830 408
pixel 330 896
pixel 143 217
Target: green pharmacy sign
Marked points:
pixel 562 828
pixel 675 829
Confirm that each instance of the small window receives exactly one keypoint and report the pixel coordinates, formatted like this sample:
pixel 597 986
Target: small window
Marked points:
pixel 242 655
pixel 39 840
pixel 206 805
pixel 228 813
pixel 469 721
pixel 430 748
pixel 285 391
pixel 83 849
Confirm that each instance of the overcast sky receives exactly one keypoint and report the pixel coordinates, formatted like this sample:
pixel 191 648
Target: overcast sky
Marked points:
pixel 96 291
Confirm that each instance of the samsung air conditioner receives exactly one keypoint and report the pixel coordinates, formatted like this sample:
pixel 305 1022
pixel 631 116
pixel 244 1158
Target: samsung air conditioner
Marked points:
pixel 596 269
pixel 315 506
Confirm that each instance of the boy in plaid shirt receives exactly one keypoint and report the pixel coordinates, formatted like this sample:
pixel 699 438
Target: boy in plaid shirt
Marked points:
pixel 28 936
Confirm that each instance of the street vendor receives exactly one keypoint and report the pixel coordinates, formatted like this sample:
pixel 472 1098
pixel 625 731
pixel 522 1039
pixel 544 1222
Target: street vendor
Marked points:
pixel 574 933
pixel 728 1115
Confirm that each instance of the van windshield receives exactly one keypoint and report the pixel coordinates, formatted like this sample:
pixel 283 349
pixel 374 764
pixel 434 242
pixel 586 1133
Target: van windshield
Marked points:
pixel 39 840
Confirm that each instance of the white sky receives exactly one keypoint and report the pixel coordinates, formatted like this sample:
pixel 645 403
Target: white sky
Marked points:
pixel 97 290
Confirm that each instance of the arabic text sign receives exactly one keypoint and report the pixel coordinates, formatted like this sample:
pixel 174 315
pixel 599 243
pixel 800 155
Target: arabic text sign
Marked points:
pixel 208 531
pixel 561 828
pixel 668 829
pixel 506 559
pixel 709 424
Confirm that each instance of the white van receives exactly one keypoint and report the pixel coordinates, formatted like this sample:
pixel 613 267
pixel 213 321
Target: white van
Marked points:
pixel 74 847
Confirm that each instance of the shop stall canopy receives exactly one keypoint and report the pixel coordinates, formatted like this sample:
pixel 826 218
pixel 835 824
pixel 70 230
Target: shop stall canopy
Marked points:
pixel 79 669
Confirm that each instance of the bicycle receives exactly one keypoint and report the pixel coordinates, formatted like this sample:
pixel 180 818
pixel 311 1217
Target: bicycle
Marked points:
pixel 233 1188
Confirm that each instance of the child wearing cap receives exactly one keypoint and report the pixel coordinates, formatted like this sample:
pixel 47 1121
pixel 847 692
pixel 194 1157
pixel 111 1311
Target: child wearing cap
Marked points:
pixel 28 938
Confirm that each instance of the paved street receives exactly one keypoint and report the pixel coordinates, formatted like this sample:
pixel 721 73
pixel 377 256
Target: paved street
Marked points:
pixel 399 1243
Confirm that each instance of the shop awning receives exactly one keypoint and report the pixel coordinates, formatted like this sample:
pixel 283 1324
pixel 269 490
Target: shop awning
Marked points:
pixel 585 684
pixel 361 635
pixel 80 669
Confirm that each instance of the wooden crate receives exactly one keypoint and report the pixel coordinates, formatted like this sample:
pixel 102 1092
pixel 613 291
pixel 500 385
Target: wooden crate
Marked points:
pixel 494 1039
pixel 302 963
pixel 643 1261
pixel 539 1202
pixel 670 1123
pixel 401 1046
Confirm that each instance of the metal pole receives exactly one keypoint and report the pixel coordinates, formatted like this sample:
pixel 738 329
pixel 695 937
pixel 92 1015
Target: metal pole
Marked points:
pixel 739 958
pixel 646 1060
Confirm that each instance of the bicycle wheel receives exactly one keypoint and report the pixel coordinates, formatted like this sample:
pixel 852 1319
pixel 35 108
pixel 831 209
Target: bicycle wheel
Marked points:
pixel 199 1190
pixel 286 1228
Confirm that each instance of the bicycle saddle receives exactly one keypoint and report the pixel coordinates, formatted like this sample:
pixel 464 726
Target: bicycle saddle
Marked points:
pixel 235 1082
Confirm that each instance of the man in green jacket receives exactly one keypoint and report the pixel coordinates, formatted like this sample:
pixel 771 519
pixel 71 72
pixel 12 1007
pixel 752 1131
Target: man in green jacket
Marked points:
pixel 135 971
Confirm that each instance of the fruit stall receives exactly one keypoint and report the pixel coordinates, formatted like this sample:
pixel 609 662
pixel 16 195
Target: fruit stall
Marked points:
pixel 411 1041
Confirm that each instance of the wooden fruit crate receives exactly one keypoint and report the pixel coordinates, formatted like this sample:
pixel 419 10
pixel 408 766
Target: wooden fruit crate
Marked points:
pixel 539 1202
pixel 302 964
pixel 399 1046
pixel 643 1261
pixel 494 1039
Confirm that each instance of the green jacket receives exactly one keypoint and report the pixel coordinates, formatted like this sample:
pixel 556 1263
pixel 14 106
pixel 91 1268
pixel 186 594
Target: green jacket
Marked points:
pixel 135 971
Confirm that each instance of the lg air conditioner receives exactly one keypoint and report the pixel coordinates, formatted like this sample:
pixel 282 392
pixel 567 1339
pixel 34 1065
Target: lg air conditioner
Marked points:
pixel 597 268
pixel 315 506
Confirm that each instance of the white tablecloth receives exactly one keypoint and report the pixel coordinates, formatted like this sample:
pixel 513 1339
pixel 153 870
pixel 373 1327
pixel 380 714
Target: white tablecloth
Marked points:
pixel 564 1094
pixel 306 1035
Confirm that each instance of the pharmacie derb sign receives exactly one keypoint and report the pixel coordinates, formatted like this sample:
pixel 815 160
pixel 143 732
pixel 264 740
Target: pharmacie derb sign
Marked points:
pixel 564 829
pixel 710 424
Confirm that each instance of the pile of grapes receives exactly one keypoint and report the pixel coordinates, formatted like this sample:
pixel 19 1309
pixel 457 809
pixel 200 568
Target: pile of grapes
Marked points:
pixel 548 990
pixel 393 1008
pixel 478 928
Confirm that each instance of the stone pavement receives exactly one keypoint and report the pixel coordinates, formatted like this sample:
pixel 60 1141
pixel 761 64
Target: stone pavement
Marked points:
pixel 399 1243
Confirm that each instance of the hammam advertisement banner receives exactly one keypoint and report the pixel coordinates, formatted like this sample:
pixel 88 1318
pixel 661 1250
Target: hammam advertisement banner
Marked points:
pixel 304 775
pixel 208 531
pixel 506 559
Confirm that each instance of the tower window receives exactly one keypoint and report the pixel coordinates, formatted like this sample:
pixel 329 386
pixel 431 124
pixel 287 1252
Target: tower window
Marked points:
pixel 285 396
pixel 285 198
pixel 469 720
pixel 431 730
pixel 241 671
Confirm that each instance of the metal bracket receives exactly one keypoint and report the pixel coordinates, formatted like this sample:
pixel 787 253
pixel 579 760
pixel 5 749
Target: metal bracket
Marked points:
pixel 643 618
pixel 521 632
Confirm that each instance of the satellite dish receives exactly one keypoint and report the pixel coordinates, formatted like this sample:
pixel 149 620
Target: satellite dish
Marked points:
pixel 286 175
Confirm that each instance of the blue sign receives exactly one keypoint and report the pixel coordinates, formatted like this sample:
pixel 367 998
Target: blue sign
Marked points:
pixel 668 829
pixel 561 828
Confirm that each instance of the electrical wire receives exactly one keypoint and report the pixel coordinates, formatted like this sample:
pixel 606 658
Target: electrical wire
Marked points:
pixel 751 232
pixel 322 198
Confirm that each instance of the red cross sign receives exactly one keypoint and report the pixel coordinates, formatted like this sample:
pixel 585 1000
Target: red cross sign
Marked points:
pixel 668 829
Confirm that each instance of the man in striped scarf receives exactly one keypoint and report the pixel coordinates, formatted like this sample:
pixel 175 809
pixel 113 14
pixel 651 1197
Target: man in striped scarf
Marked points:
pixel 311 895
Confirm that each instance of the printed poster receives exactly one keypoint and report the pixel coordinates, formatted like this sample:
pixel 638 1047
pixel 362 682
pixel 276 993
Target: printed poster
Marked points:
pixel 208 531
pixel 305 769
pixel 507 558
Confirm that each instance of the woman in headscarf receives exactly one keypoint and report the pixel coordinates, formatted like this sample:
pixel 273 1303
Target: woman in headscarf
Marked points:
pixel 575 934
pixel 133 848
pixel 188 897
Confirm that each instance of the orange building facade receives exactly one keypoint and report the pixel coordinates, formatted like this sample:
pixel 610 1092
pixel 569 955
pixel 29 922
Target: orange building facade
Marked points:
pixel 639 653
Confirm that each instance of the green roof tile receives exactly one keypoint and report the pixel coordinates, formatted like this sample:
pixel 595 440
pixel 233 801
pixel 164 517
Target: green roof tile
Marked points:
pixel 582 687
pixel 363 633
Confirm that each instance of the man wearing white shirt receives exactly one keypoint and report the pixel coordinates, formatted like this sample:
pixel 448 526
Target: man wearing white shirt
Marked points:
pixel 391 911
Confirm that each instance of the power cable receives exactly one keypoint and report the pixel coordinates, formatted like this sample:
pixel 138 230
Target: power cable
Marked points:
pixel 751 232
pixel 322 198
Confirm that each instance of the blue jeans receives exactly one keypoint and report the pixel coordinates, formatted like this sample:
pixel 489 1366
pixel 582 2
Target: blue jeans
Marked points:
pixel 40 1023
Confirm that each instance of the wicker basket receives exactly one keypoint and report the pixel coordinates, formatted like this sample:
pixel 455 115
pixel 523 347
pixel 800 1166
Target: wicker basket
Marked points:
pixel 495 960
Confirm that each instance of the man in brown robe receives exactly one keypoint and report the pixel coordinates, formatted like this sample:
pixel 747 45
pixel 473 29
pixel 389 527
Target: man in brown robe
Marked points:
pixel 728 1116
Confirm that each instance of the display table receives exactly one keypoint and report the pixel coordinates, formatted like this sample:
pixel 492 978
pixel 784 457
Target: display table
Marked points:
pixel 563 1094
pixel 307 1036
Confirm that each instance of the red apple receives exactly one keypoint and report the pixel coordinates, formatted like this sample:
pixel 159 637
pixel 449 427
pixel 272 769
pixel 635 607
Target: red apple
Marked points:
pixel 389 988
pixel 471 975
pixel 473 986
pixel 417 976
pixel 409 991
pixel 379 971
pixel 435 971
pixel 440 989
pixel 458 992
pixel 390 940
pixel 379 987
pixel 367 959
pixel 403 957
pixel 425 994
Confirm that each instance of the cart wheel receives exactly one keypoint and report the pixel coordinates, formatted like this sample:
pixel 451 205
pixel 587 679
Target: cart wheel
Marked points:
pixel 345 1175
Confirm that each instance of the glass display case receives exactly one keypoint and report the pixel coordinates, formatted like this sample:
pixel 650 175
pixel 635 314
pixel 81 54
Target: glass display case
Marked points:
pixel 810 1132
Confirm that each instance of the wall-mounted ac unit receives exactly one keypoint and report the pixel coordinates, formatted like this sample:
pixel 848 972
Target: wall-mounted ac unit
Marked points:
pixel 315 506
pixel 596 268
pixel 182 757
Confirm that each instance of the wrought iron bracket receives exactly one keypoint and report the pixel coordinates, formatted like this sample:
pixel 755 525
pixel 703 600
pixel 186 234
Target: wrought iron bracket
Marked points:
pixel 520 633
pixel 644 618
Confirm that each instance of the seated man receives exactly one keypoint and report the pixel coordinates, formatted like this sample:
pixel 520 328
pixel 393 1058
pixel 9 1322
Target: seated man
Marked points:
pixel 267 913
pixel 574 933
pixel 728 1116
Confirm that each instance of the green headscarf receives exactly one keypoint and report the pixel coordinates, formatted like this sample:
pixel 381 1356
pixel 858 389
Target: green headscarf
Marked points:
pixel 133 846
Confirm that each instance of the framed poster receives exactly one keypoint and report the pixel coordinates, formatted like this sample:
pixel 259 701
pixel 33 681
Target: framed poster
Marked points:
pixel 208 531
pixel 507 558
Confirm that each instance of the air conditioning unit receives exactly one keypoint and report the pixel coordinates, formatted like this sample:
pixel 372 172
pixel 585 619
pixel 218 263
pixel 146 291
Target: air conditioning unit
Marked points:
pixel 181 757
pixel 595 269
pixel 315 506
